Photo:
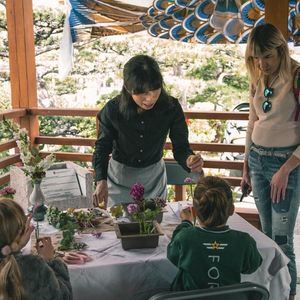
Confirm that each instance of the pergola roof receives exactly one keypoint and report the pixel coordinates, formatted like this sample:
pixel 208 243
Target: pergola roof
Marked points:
pixel 202 21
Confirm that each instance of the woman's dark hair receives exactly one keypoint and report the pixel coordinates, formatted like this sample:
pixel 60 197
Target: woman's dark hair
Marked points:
pixel 213 201
pixel 140 74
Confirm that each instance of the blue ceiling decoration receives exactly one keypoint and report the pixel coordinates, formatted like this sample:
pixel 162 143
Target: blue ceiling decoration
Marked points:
pixel 200 21
pixel 212 21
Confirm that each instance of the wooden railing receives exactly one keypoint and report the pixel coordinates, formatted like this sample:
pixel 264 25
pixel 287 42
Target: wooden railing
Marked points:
pixel 250 214
pixel 20 114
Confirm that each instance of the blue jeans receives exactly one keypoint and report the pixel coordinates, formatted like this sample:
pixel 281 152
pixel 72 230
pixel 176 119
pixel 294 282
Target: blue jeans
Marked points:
pixel 277 219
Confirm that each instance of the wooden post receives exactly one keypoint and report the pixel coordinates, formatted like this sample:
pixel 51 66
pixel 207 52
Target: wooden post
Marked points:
pixel 180 193
pixel 22 60
pixel 276 13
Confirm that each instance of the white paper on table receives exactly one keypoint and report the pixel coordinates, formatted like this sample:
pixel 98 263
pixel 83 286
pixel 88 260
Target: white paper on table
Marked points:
pixel 177 207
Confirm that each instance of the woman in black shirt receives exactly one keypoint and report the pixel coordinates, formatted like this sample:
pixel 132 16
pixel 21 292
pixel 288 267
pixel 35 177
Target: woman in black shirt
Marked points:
pixel 133 128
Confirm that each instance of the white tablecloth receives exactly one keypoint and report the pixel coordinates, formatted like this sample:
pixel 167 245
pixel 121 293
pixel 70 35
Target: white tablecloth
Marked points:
pixel 138 274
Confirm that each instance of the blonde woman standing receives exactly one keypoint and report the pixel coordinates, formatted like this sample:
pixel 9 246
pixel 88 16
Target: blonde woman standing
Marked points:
pixel 272 154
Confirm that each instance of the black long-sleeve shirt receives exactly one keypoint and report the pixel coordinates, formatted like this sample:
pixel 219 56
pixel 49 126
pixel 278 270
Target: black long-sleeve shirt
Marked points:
pixel 139 141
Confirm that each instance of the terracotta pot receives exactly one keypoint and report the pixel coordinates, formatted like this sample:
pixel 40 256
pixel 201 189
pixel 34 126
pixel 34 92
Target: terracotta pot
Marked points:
pixel 130 236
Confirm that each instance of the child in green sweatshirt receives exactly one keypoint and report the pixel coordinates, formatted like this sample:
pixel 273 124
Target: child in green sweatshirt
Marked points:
pixel 212 254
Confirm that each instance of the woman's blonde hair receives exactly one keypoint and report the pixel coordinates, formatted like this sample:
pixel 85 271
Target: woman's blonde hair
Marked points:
pixel 12 225
pixel 262 39
pixel 213 201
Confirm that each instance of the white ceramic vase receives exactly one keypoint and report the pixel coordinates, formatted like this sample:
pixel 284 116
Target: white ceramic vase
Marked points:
pixel 37 197
pixel 37 200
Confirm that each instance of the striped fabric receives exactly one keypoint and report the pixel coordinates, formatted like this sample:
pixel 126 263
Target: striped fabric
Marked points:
pixel 100 18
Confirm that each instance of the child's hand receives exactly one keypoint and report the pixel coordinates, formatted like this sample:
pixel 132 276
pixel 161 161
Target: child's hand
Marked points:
pixel 27 233
pixel 45 248
pixel 186 214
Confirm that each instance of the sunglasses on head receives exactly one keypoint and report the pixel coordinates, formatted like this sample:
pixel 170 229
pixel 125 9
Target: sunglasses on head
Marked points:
pixel 267 104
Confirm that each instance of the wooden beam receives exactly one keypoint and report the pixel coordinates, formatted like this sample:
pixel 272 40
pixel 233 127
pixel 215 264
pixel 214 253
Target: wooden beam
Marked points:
pixel 13 113
pixel 276 13
pixel 51 140
pixel 22 60
pixel 10 144
pixel 21 53
pixel 83 112
pixel 69 156
pixel 213 147
pixel 10 160
pixel 4 179
pixel 217 115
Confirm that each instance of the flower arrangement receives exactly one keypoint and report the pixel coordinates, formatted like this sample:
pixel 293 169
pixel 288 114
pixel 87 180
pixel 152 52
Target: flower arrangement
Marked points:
pixel 190 182
pixel 34 166
pixel 7 192
pixel 72 221
pixel 144 211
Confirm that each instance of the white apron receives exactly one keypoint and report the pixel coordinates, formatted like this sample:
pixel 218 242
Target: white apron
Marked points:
pixel 120 179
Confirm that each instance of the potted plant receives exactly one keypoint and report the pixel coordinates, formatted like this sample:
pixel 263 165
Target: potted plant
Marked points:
pixel 144 230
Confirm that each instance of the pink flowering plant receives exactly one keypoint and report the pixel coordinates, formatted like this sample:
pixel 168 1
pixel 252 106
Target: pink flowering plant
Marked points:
pixel 7 192
pixel 144 211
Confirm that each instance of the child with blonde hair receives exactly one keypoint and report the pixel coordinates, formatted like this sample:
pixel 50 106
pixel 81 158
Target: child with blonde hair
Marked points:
pixel 212 254
pixel 28 277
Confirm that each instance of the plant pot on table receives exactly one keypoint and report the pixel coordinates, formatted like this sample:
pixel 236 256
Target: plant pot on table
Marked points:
pixel 131 238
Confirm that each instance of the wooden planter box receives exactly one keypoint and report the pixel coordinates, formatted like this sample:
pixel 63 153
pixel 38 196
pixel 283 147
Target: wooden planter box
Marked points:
pixel 132 239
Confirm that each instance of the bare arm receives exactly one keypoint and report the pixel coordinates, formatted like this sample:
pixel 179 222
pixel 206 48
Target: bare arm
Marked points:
pixel 280 179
